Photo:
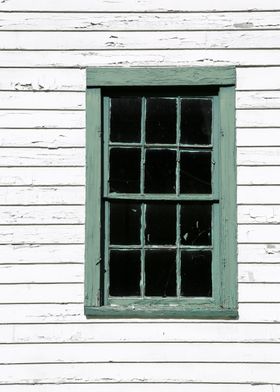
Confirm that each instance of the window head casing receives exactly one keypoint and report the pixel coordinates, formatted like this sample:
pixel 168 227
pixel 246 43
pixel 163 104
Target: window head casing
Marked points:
pixel 161 193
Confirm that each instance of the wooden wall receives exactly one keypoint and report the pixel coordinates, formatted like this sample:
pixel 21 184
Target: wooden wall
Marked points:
pixel 46 343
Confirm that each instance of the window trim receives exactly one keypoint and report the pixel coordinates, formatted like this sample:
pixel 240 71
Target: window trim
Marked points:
pixel 224 79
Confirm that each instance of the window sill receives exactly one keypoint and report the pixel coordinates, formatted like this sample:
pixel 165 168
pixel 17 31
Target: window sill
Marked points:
pixel 160 312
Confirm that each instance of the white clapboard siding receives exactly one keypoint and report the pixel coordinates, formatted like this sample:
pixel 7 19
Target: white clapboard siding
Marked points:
pixel 258 118
pixel 141 5
pixel 255 253
pixel 19 176
pixel 42 215
pixel 49 234
pixel 258 156
pixel 259 175
pixel 258 99
pixel 42 157
pixel 41 119
pixel 34 253
pixel 155 57
pixel 259 214
pixel 140 22
pixel 42 195
pixel 42 100
pixel 258 233
pixel 140 331
pixel 60 273
pixel 256 78
pixel 140 372
pixel 73 293
pixel 52 138
pixel 139 40
pixel 74 313
pixel 246 137
pixel 30 79
pixel 139 352
pixel 144 387
pixel 258 194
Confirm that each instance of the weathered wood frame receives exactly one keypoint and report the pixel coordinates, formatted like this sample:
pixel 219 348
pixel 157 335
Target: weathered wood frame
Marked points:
pixel 223 78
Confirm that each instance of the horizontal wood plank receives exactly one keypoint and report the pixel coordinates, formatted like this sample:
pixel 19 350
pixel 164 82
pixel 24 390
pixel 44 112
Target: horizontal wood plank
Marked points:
pixel 139 40
pixel 41 195
pixel 259 175
pixel 258 156
pixel 258 233
pixel 259 253
pixel 258 100
pixel 142 5
pixel 259 214
pixel 140 22
pixel 258 194
pixel 247 137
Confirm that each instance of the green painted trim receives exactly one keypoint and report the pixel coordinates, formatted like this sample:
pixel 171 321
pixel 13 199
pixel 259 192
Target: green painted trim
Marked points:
pixel 224 301
pixel 161 312
pixel 93 197
pixel 161 76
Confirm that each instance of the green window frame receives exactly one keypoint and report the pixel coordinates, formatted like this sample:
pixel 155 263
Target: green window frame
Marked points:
pixel 218 83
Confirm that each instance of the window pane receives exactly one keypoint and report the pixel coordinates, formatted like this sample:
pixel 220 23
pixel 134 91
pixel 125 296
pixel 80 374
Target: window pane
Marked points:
pixel 195 172
pixel 196 224
pixel 160 171
pixel 125 170
pixel 160 273
pixel 196 274
pixel 125 122
pixel 160 224
pixel 196 119
pixel 161 120
pixel 125 223
pixel 125 268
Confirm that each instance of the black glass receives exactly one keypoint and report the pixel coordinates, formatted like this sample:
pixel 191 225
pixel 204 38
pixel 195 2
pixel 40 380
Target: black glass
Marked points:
pixel 125 220
pixel 160 224
pixel 161 120
pixel 196 224
pixel 195 172
pixel 125 170
pixel 160 170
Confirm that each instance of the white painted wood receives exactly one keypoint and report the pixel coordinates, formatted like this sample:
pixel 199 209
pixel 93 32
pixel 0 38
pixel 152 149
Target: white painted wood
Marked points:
pixel 247 137
pixel 258 100
pixel 140 372
pixel 54 253
pixel 266 292
pixel 50 234
pixel 41 79
pixel 260 273
pixel 41 119
pixel 258 194
pixel 139 352
pixel 259 233
pixel 139 40
pixel 140 331
pixel 263 175
pixel 41 293
pixel 42 157
pixel 144 387
pixel 259 214
pixel 52 138
pixel 139 22
pixel 42 195
pixel 42 215
pixel 155 57
pixel 42 100
pixel 256 78
pixel 74 313
pixel 141 5
pixel 258 118
pixel 258 156
pixel 42 176
pixel 254 253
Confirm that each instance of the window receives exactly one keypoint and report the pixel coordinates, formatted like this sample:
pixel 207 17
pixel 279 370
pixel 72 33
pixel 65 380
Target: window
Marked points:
pixel 161 193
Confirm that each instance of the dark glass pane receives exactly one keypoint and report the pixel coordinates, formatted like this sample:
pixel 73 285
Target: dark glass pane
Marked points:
pixel 196 119
pixel 196 224
pixel 125 223
pixel 195 172
pixel 161 120
pixel 160 224
pixel 125 122
pixel 196 274
pixel 160 169
pixel 125 268
pixel 125 170
pixel 160 273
